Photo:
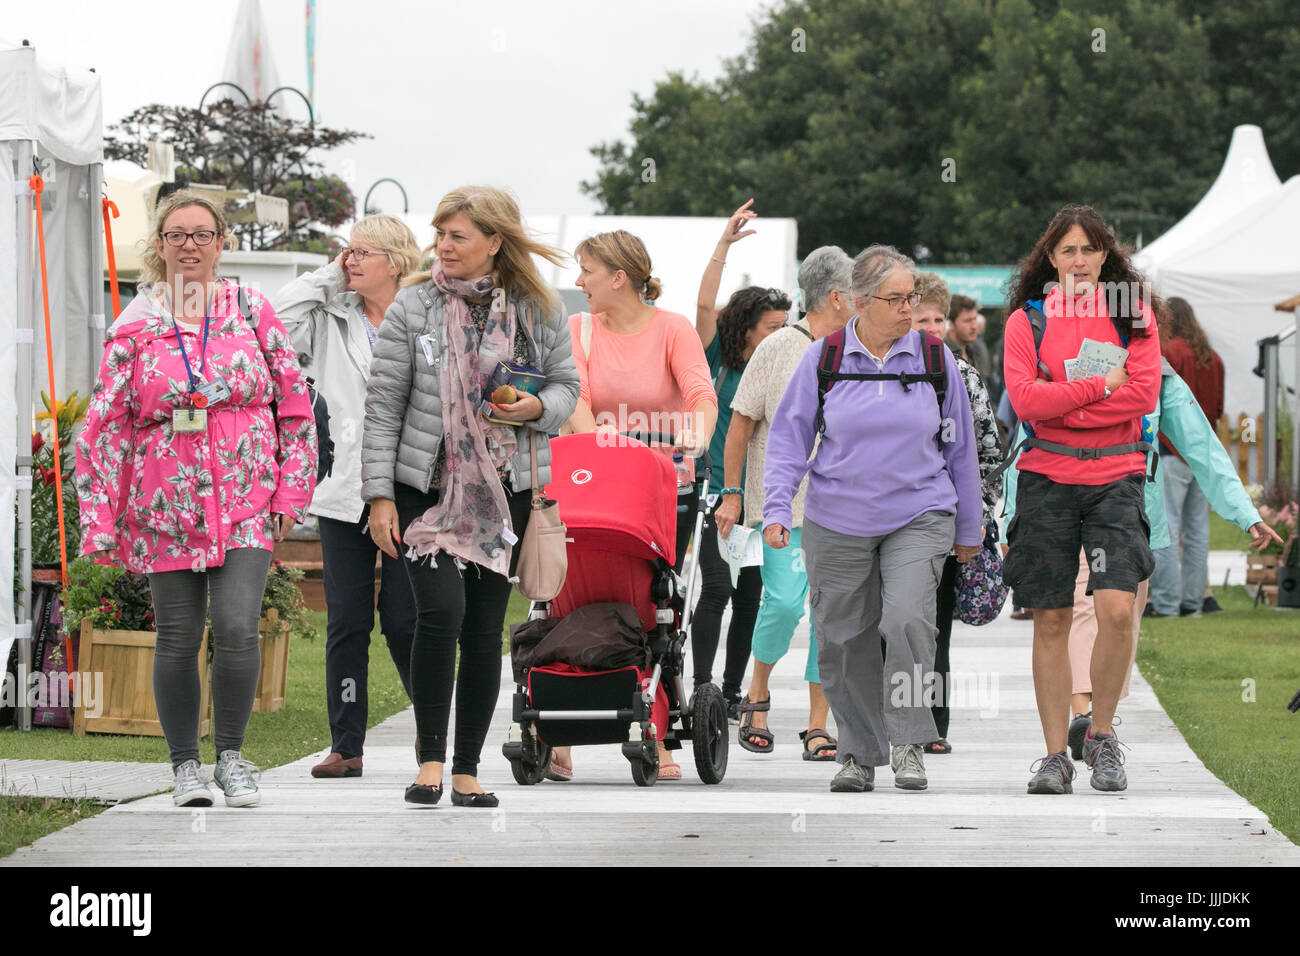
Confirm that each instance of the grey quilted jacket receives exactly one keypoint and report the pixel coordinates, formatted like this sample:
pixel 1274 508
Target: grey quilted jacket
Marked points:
pixel 403 426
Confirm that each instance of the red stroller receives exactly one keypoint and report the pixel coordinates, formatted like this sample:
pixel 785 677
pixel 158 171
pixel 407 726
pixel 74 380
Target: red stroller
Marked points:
pixel 618 499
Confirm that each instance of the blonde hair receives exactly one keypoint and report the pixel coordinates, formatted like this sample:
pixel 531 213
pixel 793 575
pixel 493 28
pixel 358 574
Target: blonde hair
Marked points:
pixel 622 250
pixel 934 290
pixel 393 238
pixel 153 269
pixel 494 213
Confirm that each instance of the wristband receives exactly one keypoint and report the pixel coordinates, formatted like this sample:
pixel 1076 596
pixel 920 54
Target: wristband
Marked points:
pixel 731 491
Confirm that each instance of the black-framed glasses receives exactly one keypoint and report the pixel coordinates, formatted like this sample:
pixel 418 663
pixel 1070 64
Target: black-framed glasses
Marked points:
pixel 896 301
pixel 359 254
pixel 778 298
pixel 201 238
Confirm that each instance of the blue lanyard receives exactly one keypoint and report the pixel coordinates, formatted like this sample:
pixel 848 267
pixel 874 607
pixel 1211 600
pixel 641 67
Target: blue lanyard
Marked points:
pixel 203 355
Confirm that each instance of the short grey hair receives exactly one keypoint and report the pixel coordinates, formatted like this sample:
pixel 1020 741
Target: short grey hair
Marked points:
pixel 873 265
pixel 826 270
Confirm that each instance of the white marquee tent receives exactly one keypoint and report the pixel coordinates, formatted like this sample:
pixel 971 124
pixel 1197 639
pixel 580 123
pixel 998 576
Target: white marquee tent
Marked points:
pixel 1234 256
pixel 50 120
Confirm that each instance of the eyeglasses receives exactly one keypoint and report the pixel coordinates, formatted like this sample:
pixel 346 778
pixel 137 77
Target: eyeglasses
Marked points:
pixel 201 238
pixel 359 254
pixel 896 301
pixel 778 298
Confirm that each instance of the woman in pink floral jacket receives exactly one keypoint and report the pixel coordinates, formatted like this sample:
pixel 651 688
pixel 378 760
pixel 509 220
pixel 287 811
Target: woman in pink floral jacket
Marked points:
pixel 198 453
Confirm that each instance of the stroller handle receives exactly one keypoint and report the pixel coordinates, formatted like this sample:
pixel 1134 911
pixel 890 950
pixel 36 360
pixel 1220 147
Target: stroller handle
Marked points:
pixel 662 438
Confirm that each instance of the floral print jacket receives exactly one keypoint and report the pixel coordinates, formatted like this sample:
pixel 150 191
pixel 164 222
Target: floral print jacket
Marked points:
pixel 167 500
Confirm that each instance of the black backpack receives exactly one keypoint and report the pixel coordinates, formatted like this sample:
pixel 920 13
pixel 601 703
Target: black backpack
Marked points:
pixel 828 373
pixel 320 408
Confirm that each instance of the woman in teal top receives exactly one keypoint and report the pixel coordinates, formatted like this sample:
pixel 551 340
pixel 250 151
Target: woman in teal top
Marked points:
pixel 729 336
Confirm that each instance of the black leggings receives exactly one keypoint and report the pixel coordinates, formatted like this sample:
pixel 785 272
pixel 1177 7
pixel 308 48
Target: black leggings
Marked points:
pixel 707 625
pixel 456 607
pixel 945 605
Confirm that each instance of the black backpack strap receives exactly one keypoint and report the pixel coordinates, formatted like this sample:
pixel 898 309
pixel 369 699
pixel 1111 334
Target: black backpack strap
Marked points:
pixel 1038 326
pixel 828 367
pixel 932 356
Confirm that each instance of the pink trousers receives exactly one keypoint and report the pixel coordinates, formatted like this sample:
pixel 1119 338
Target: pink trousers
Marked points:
pixel 1083 632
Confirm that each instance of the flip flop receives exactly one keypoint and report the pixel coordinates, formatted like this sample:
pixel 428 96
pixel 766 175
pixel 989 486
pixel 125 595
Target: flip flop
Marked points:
pixel 670 771
pixel 747 730
pixel 558 773
pixel 824 751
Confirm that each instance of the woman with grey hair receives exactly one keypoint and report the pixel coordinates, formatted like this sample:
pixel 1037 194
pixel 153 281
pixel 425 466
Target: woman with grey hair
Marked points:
pixel 824 279
pixel 333 316
pixel 893 483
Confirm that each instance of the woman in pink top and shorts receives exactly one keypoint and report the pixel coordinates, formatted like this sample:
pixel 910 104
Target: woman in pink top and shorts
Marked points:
pixel 643 369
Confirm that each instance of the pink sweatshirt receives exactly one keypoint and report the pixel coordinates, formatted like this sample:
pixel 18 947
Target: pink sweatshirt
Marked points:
pixel 1077 413
pixel 631 380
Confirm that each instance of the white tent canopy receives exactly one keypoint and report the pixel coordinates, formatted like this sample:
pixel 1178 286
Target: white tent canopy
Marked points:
pixel 1232 257
pixel 50 120
pixel 679 250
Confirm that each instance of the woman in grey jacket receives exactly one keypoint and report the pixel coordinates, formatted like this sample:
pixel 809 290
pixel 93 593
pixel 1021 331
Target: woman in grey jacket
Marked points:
pixel 444 482
pixel 333 316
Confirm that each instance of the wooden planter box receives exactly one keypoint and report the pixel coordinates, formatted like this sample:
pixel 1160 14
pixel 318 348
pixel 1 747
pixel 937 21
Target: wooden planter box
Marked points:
pixel 1262 568
pixel 274 640
pixel 125 658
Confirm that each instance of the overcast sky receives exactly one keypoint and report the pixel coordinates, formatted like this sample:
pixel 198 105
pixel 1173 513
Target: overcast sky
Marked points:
pixel 505 92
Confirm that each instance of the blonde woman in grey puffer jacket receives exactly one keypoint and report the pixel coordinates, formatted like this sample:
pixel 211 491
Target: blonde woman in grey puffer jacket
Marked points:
pixel 448 487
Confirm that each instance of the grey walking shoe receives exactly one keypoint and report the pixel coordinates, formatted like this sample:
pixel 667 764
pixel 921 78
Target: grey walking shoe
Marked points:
pixel 190 790
pixel 1052 774
pixel 1102 754
pixel 234 775
pixel 1079 728
pixel 853 778
pixel 909 767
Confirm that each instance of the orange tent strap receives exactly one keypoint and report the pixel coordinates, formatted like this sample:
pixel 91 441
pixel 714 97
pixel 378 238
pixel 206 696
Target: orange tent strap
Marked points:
pixel 111 207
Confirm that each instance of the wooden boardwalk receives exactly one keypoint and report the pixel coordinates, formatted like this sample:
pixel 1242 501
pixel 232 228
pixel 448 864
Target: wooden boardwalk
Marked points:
pixel 770 809
pixel 100 780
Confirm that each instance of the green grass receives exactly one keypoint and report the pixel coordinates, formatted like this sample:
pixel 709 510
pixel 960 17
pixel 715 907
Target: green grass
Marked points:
pixel 26 819
pixel 1226 536
pixel 1198 666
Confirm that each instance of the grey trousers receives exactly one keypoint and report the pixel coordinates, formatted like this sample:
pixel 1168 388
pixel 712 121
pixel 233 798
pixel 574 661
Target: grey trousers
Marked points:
pixel 180 607
pixel 863 591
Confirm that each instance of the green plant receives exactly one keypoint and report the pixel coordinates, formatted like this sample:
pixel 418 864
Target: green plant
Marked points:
pixel 45 505
pixel 283 594
pixel 111 598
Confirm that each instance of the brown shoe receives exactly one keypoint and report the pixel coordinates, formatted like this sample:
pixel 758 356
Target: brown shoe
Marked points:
pixel 335 766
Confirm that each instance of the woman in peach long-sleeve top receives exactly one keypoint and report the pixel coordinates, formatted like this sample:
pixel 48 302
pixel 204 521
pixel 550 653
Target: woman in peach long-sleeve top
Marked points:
pixel 642 369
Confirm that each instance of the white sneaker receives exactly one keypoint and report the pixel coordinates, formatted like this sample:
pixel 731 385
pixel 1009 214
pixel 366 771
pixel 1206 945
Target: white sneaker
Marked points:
pixel 190 789
pixel 234 776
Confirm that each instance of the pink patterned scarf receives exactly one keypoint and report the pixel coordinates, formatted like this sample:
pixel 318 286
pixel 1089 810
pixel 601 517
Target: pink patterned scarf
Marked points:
pixel 471 521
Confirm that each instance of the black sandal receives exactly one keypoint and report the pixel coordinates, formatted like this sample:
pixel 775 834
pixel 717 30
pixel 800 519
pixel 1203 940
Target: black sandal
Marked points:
pixel 940 746
pixel 747 730
pixel 818 752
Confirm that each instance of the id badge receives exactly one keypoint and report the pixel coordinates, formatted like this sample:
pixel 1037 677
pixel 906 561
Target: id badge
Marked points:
pixel 426 343
pixel 189 419
pixel 211 393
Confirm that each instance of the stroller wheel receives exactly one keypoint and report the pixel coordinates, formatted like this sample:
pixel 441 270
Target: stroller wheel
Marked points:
pixel 709 733
pixel 644 757
pixel 529 760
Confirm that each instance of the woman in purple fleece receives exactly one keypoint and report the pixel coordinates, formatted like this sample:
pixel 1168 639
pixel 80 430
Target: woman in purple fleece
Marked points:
pixel 894 482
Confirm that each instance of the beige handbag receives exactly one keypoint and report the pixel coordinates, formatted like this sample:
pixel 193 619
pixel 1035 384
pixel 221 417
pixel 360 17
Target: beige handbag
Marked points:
pixel 543 555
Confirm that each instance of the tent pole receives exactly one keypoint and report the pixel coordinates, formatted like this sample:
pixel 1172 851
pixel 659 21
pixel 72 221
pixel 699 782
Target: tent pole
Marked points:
pixel 94 198
pixel 26 356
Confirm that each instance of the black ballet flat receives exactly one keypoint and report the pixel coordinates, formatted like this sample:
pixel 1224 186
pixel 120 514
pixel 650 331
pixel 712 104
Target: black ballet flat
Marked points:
pixel 459 799
pixel 424 794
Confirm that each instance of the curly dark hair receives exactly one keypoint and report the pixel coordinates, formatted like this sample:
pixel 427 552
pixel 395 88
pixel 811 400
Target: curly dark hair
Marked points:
pixel 741 313
pixel 1036 274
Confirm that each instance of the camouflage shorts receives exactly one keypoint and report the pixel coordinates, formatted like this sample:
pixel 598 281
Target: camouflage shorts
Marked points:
pixel 1054 521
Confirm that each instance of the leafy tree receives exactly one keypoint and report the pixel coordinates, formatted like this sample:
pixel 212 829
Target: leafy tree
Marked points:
pixel 951 129
pixel 248 146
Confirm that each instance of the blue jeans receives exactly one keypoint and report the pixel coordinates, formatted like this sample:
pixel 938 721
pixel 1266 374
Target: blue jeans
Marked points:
pixel 1176 583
